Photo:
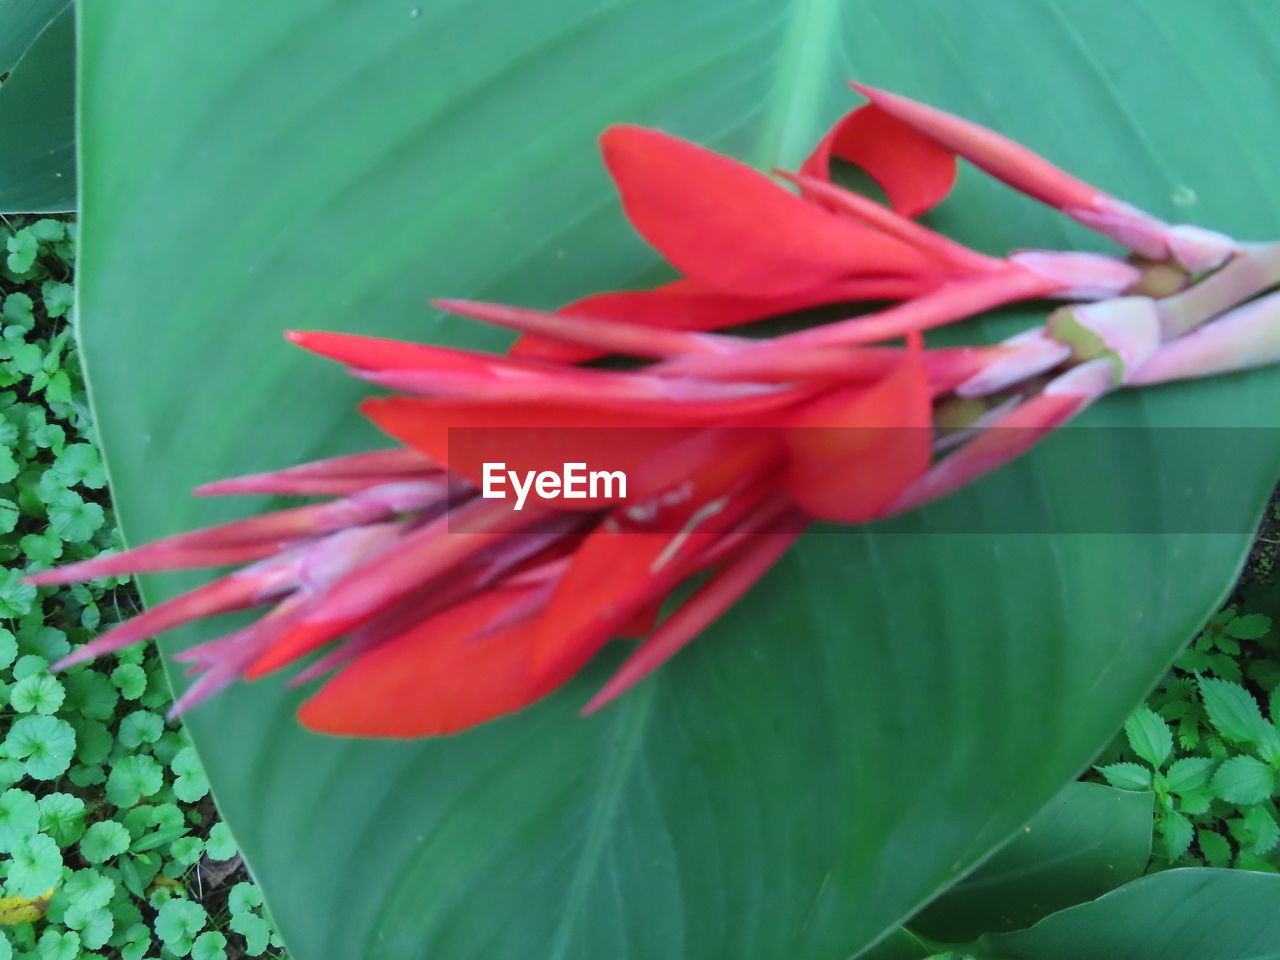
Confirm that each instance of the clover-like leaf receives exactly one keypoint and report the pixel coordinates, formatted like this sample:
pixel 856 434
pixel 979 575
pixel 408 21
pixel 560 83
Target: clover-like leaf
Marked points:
pixel 74 518
pixel 45 743
pixel 190 783
pixel 133 778
pixel 38 693
pixel 210 945
pixel 131 679
pixel 19 817
pixel 79 463
pixel 139 727
pixel 35 866
pixel 220 845
pixel 104 840
pixel 57 297
pixel 62 817
pixel 177 923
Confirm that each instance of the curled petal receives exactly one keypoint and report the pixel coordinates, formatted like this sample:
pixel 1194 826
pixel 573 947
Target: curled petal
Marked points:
pixel 1004 159
pixel 914 170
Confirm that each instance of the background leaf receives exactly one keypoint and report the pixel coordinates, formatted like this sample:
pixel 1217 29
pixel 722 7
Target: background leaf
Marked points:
pixel 1186 914
pixel 37 113
pixel 1088 840
pixel 20 23
pixel 890 704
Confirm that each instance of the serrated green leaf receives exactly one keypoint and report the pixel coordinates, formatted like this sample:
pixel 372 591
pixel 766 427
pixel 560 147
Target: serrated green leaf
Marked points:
pixel 1149 736
pixel 1261 829
pixel 1176 831
pixel 1127 776
pixel 1243 780
pixel 1252 626
pixel 1232 710
pixel 1214 847
pixel 1189 773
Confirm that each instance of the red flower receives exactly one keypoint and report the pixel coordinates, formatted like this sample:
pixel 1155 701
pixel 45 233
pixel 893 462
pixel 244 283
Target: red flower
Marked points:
pixel 441 608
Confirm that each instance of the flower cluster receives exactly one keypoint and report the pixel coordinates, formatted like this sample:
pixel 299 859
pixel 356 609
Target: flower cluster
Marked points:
pixel 440 608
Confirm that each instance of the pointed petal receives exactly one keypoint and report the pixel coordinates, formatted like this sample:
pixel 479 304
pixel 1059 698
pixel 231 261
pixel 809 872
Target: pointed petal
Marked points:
pixel 684 305
pixel 377 354
pixel 729 227
pixel 255 537
pixel 1012 434
pixel 955 301
pixel 854 450
pixel 437 678
pixel 913 169
pixel 469 434
pixel 241 590
pixel 697 613
pixel 360 469
pixel 160 555
pixel 999 156
pixel 620 570
pixel 887 221
pixel 417 560
pixel 609 336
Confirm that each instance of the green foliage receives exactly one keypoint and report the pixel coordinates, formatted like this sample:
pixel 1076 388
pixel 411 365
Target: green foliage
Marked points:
pixel 102 802
pixel 1216 716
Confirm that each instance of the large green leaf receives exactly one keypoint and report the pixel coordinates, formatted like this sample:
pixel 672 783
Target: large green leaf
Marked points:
pixel 1087 840
pixel 886 708
pixel 37 116
pixel 1190 914
pixel 20 23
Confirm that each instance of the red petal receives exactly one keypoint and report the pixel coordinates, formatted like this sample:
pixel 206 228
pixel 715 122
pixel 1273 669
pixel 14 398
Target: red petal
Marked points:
pixel 1004 159
pixel 697 613
pixel 525 437
pixel 619 570
pixel 444 675
pixel 856 449
pixel 684 305
pixel 913 170
pixel 727 226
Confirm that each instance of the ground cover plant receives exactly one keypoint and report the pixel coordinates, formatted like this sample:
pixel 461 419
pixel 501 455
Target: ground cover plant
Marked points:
pixel 110 845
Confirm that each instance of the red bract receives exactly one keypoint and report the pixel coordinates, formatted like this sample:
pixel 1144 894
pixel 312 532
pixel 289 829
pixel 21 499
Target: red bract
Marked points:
pixel 748 248
pixel 441 607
